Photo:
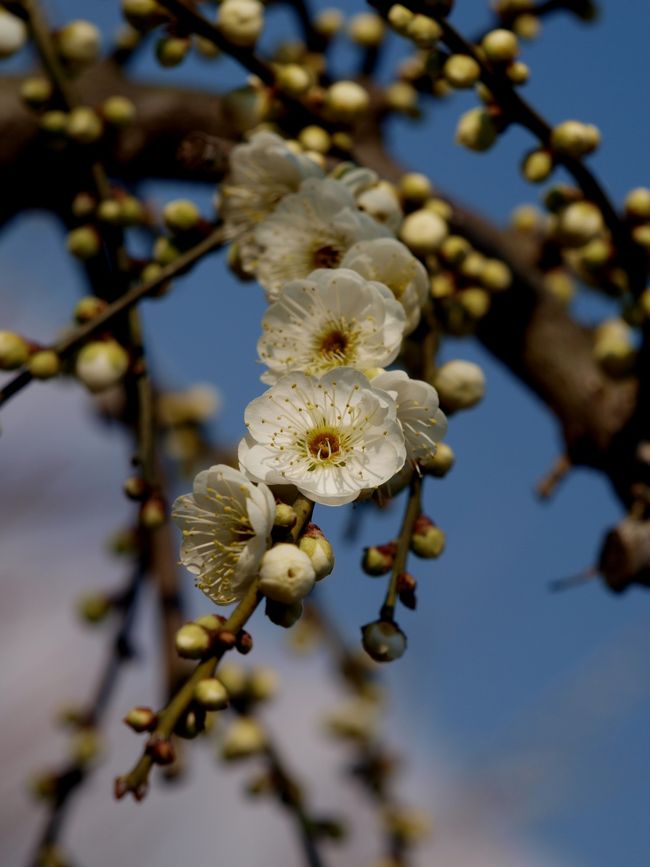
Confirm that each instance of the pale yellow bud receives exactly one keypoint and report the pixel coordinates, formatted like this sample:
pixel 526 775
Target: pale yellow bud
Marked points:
pixel 461 71
pixel 424 31
pixel 315 138
pixel 537 166
pixel 559 283
pixel 263 683
pixel 423 231
pixel 181 215
pixel 192 641
pixel 13 33
pixel 118 110
pixel 475 301
pixel 442 285
pixel 641 235
pixel 44 364
pixel 84 125
pixel 579 222
pixel 293 79
pixel 399 17
pixel 83 242
pixel 79 42
pixel 518 72
pixel 347 99
pixel 613 347
pixel 366 29
pixel 401 96
pixel 415 187
pixel 575 138
pixel 244 737
pixel 36 91
pixel 476 130
pixel 495 275
pixel 211 694
pixel 172 50
pixel 454 249
pixel 500 45
pixel 101 364
pixel 637 203
pixel 460 385
pixel 440 463
pixel 527 26
pixel 328 22
pixel 526 219
pixel 241 21
pixel 14 351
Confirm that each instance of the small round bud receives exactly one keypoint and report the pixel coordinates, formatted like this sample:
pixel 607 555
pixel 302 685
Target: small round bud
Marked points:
pixel 44 364
pixel 613 347
pixel 595 254
pixel 575 138
pixel 527 26
pixel 579 222
pixel 644 303
pixel 101 364
pixel 383 641
pixel 286 574
pixel 495 275
pixel 84 125
pixel 132 211
pixel 211 694
pixel 460 385
pixel 235 679
pixel 135 488
pixel 423 231
pixel 244 737
pixel 109 211
pixel 440 463
pixel 161 750
pixel 356 720
pixel 293 78
pixel 500 45
pixel 427 540
pixel 118 110
pixel 285 516
pixel 318 549
pixel 476 130
pixel 537 165
pixel 241 21
pixel 283 615
pixel 378 559
pixel 143 14
pixel 13 33
pixel 454 249
pixel 153 513
pixel 328 22
pixel 315 138
pixel 54 122
pixel 79 42
pixel 641 235
pixel 181 215
pixel 399 17
pixel 403 97
pixel 560 285
pixel 94 607
pixel 475 301
pixel 461 71
pixel 192 641
pixel 14 351
pixel 165 252
pixel 424 31
pixel 415 187
pixel 85 747
pixel 141 719
pixel 526 219
pixel 263 684
pixel 637 204
pixel 518 72
pixel 171 51
pixel 83 242
pixel 346 99
pixel 211 622
pixel 366 29
pixel 36 91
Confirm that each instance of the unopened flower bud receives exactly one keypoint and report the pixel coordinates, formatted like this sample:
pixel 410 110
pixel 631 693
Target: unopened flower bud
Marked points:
pixel 378 559
pixel 143 14
pixel 328 22
pixel 36 91
pixel 44 364
pixel 118 110
pixel 83 242
pixel 286 574
pixel 13 33
pixel 14 351
pixel 424 31
pixel 495 275
pixel 346 99
pixel 423 231
pixel 283 615
pixel 293 78
pixel 244 737
pixel 192 641
pixel 356 720
pixel 403 97
pixel 241 21
pixel 141 719
pixel 161 750
pixel 427 540
pixel 88 308
pixel 235 679
pixel 211 694
pixel 153 513
pixel 262 684
pixel 579 222
pixel 613 347
pixel 575 138
pixel 318 549
pixel 315 138
pixel 415 187
pixel 500 45
pixel 79 42
pixel 54 122
pixel 94 607
pixel 399 17
pixel 171 51
pixel 181 215
pixel 476 130
pixel 84 125
pixel 641 235
pixel 366 29
pixel 475 301
pixel 109 211
pixel 439 463
pixel 518 72
pixel 460 384
pixel 637 204
pixel 461 71
pixel 85 746
pixel 383 641
pixel 537 165
pixel 211 622
pixel 101 364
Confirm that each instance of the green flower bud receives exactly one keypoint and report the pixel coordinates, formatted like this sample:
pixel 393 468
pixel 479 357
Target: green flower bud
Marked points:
pixel 44 364
pixel 315 138
pixel 403 97
pixel 366 29
pixel 476 130
pixel 415 187
pixel 578 223
pixel 328 22
pixel 399 17
pixel 285 516
pixel 165 252
pixel 346 100
pixel 641 235
pixel 36 91
pixel 262 684
pixel 241 21
pixel 192 641
pixel 427 540
pixel 424 31
pixel 211 694
pixel 110 211
pixel 518 72
pixel 143 14
pixel 94 607
pixel 14 351
pixel 318 549
pixel 84 125
pixel 118 110
pixel 383 641
pixel 527 26
pixel 537 166
pixel 613 347
pixel 86 746
pixel 637 203
pixel 378 559
pixel 211 622
pixel 54 122
pixel 474 301
pixel 88 308
pixel 235 679
pixel 495 275
pixel 171 50
pixel 152 513
pixel 101 364
pixel 181 215
pixel 83 242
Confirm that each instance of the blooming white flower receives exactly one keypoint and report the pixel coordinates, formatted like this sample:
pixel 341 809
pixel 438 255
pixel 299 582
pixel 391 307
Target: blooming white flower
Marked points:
pixel 331 437
pixel 226 523
pixel 13 33
pixel 389 261
pixel 375 197
pixel 310 229
pixel 418 412
pixel 262 172
pixel 286 574
pixel 334 318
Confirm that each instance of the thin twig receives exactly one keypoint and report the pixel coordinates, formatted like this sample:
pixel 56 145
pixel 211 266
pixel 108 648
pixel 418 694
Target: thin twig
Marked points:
pixel 411 514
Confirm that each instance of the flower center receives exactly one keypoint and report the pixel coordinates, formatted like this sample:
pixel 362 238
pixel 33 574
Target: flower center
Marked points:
pixel 328 256
pixel 324 445
pixel 335 343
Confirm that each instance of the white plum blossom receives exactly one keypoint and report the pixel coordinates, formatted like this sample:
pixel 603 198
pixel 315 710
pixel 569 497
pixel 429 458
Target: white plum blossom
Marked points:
pixel 331 437
pixel 262 172
pixel 375 197
pixel 388 260
pixel 286 574
pixel 308 230
pixel 333 318
pixel 226 523
pixel 423 422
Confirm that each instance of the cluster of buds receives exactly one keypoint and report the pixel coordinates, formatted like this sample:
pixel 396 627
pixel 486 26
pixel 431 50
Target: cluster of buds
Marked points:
pixel 200 638
pixel 16 351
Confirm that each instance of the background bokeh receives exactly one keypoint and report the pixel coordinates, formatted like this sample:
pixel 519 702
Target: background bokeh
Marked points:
pixel 522 715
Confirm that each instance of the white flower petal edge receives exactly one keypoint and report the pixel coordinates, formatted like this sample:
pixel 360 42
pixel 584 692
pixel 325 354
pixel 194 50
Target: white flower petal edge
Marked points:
pixel 331 436
pixel 423 422
pixel 334 318
pixel 388 260
pixel 308 230
pixel 226 523
pixel 262 172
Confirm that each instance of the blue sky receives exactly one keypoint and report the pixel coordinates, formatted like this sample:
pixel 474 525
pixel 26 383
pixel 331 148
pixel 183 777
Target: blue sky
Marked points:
pixel 501 671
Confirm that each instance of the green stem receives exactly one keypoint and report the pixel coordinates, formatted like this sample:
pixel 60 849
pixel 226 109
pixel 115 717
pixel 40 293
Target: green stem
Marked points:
pixel 411 514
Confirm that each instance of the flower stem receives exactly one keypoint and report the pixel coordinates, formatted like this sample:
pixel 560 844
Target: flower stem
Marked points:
pixel 411 513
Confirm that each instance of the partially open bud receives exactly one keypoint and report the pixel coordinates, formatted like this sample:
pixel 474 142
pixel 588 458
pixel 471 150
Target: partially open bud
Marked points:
pixel 286 574
pixel 500 45
pixel 181 215
pixel 460 385
pixel 423 231
pixel 461 71
pixel 378 559
pixel 283 615
pixel 192 641
pixel 14 351
pixel 575 138
pixel 141 719
pixel 13 33
pixel 476 130
pixel 101 364
pixel 439 463
pixel 241 21
pixel 318 549
pixel 44 364
pixel 79 42
pixel 211 694
pixel 285 516
pixel 427 540
pixel 383 641
pixel 244 737
pixel 346 100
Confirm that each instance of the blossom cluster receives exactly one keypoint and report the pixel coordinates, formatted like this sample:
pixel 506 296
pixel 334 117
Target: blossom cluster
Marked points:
pixel 335 424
